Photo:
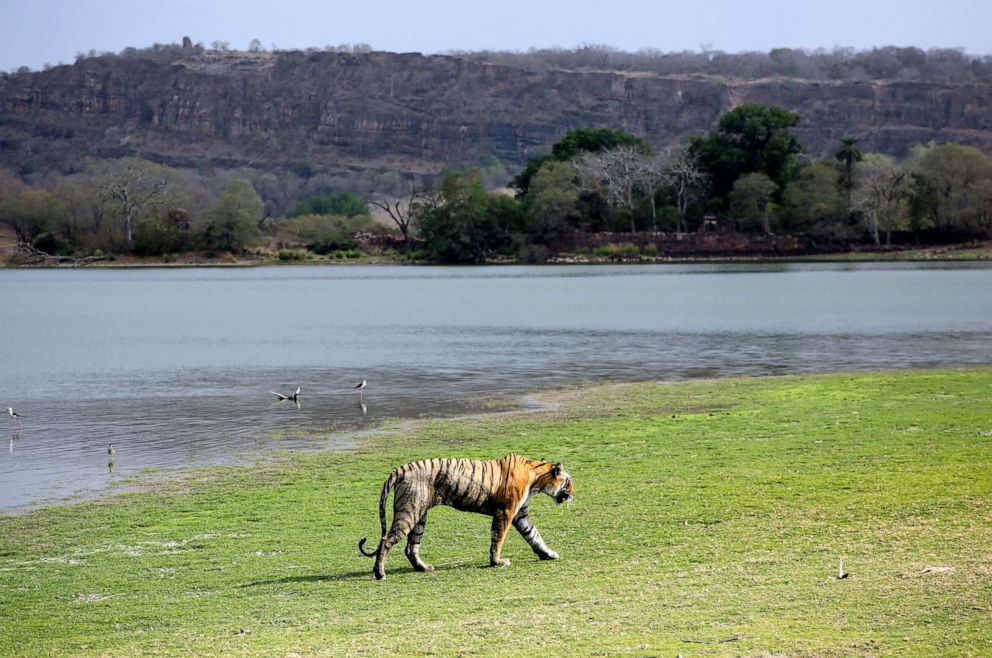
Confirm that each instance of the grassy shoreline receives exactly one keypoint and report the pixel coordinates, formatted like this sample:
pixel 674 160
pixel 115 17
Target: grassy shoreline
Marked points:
pixel 710 519
pixel 952 253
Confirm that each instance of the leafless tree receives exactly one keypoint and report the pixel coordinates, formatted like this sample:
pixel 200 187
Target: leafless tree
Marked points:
pixel 616 172
pixel 136 185
pixel 684 177
pixel 404 211
pixel 880 187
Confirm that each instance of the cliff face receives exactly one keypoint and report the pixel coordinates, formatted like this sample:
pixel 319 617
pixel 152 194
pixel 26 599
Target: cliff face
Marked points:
pixel 418 113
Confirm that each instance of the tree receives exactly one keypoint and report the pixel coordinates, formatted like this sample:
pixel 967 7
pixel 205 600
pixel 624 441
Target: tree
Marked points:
pixel 684 177
pixel 847 155
pixel 751 197
pixel 345 204
pixel 616 172
pixel 879 189
pixel 404 212
pixel 573 144
pixel 32 214
pixel 751 138
pixel 254 46
pixel 961 180
pixel 467 224
pixel 594 140
pixel 138 187
pixel 815 204
pixel 232 222
pixel 552 203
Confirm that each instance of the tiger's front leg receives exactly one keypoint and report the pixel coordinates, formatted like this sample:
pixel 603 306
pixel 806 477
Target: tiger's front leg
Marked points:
pixel 529 532
pixel 501 524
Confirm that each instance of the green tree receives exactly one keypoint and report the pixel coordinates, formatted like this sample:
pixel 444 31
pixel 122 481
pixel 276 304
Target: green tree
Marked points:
pixel 961 182
pixel 232 222
pixel 552 204
pixel 848 155
pixel 751 199
pixel 594 140
pixel 815 204
pixel 33 214
pixel 575 143
pixel 751 138
pixel 345 204
pixel 467 224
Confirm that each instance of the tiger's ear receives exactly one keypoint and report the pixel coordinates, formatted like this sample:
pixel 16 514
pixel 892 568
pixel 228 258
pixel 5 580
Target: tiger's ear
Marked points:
pixel 556 469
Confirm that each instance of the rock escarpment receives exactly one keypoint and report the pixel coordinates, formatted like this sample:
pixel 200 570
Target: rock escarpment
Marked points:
pixel 420 113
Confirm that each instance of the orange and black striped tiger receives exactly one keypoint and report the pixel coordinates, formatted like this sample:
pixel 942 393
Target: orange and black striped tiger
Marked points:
pixel 500 488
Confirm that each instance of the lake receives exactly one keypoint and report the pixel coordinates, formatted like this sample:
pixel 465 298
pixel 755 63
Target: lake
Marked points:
pixel 175 366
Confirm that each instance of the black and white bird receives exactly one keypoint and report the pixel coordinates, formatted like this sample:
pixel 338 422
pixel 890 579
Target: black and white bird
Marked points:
pixel 111 450
pixel 294 397
pixel 15 418
pixel 359 387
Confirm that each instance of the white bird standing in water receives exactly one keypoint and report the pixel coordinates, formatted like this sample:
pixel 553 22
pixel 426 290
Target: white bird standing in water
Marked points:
pixel 359 387
pixel 15 418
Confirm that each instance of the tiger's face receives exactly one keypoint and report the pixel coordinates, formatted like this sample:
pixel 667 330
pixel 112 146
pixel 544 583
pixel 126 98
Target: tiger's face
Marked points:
pixel 557 483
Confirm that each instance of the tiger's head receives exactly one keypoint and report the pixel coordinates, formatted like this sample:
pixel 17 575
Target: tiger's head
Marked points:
pixel 557 483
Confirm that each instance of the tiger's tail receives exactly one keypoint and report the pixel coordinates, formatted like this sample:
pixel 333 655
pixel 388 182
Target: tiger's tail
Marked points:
pixel 386 487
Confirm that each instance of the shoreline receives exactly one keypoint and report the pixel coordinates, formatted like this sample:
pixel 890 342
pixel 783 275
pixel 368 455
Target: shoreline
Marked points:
pixel 510 407
pixel 970 251
pixel 706 511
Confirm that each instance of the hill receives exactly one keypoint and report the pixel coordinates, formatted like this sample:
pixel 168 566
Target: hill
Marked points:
pixel 418 114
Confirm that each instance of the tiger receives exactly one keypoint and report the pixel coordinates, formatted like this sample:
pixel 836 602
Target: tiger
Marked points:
pixel 500 488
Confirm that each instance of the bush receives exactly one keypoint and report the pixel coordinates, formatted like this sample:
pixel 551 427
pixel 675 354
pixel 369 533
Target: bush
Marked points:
pixel 650 250
pixel 618 251
pixel 294 254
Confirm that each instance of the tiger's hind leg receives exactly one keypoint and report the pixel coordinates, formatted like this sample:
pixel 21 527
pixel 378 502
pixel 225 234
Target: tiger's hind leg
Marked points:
pixel 409 507
pixel 413 545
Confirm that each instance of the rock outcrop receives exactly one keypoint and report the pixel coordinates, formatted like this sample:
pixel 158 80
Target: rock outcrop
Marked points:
pixel 420 113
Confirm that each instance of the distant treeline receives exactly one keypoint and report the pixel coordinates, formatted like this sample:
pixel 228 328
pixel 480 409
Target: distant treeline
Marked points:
pixel 888 63
pixel 749 174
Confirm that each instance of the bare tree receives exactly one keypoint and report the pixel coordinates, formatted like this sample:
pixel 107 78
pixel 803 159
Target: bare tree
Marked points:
pixel 616 173
pixel 684 177
pixel 880 187
pixel 136 185
pixel 404 211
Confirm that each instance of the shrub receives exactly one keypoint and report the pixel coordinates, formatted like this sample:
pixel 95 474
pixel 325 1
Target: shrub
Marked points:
pixel 294 254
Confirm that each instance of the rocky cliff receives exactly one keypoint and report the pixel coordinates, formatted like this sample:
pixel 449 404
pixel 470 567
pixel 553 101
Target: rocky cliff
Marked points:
pixel 419 113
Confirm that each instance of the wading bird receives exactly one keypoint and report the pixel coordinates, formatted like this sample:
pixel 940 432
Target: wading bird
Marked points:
pixel 111 450
pixel 294 397
pixel 15 418
pixel 359 387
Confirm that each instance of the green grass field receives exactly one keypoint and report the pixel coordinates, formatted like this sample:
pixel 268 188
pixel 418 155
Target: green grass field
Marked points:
pixel 710 519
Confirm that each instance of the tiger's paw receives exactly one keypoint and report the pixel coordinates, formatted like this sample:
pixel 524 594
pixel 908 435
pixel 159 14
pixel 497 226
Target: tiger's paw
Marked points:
pixel 550 555
pixel 500 563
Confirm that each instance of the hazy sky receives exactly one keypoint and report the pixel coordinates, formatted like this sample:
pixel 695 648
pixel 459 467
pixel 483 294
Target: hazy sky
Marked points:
pixel 33 32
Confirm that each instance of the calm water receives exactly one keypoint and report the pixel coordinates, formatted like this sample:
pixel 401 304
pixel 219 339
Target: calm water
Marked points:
pixel 174 366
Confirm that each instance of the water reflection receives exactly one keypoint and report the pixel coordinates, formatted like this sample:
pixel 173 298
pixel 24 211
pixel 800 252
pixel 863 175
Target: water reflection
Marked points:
pixel 178 365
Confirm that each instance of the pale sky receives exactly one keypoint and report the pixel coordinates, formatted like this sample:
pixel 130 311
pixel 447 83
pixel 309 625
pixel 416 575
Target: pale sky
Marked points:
pixel 33 32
